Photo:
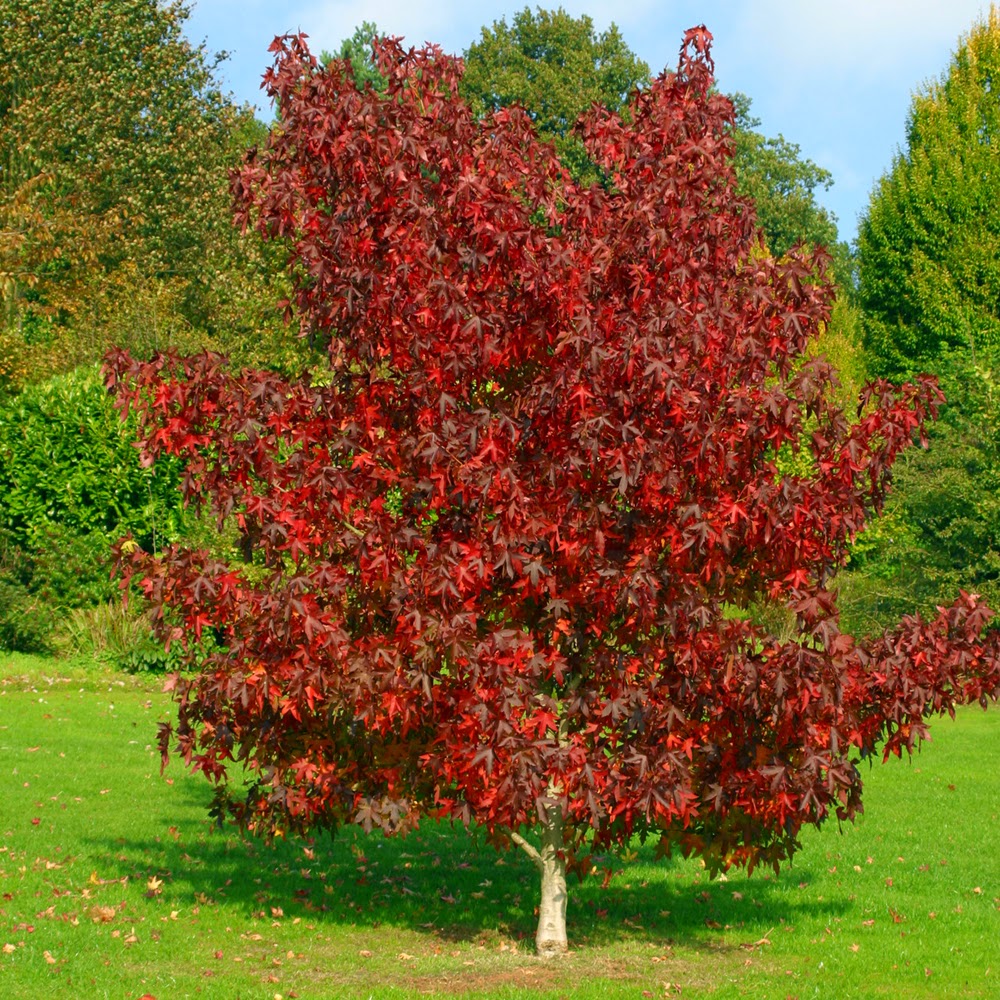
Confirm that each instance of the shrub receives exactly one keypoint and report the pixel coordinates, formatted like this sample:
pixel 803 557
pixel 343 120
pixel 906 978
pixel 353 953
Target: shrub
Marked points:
pixel 71 483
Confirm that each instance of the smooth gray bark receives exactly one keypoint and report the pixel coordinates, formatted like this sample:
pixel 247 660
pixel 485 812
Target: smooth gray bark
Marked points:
pixel 550 938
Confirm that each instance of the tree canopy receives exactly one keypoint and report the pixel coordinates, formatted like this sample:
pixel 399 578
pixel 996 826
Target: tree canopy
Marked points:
pixel 929 290
pixel 929 244
pixel 555 66
pixel 498 551
pixel 115 143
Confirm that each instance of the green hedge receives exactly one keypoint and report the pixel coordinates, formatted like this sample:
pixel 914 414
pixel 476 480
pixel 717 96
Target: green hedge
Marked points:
pixel 71 484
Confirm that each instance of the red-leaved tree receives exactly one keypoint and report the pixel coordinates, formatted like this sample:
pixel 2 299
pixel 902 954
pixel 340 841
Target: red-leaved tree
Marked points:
pixel 501 553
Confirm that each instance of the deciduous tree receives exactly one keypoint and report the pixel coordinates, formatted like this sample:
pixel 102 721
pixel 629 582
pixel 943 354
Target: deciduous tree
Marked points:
pixel 929 292
pixel 499 552
pixel 555 66
pixel 929 244
pixel 115 141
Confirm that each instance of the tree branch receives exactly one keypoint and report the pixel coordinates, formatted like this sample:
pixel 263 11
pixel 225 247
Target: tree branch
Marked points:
pixel 528 849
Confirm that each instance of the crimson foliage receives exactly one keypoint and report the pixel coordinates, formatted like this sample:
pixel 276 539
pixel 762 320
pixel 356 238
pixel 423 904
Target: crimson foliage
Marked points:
pixel 501 547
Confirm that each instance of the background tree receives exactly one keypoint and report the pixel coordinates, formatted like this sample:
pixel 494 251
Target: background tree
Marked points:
pixel 498 550
pixel 357 50
pixel 555 66
pixel 115 142
pixel 929 291
pixel 929 245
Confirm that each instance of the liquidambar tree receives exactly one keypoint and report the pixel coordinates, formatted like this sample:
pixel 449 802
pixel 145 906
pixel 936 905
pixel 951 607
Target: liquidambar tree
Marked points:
pixel 499 549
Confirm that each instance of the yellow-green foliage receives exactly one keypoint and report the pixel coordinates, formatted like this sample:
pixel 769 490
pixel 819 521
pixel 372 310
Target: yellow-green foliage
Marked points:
pixel 929 292
pixel 929 245
pixel 115 223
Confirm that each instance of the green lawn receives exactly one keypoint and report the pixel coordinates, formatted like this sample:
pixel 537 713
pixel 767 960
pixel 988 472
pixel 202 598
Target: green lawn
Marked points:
pixel 111 885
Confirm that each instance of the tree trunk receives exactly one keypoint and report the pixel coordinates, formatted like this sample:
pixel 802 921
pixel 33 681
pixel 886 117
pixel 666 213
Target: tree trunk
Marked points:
pixel 550 938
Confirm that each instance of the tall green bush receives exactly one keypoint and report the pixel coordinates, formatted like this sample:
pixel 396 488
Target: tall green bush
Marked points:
pixel 71 483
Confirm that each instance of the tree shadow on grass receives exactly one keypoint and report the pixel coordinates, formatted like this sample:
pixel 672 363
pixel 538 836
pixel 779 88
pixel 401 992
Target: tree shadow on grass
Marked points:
pixel 451 882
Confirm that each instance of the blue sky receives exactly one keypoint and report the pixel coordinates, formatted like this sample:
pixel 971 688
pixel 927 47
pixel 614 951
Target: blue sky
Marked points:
pixel 834 76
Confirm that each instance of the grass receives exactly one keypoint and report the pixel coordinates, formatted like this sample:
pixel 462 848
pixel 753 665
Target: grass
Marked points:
pixel 111 885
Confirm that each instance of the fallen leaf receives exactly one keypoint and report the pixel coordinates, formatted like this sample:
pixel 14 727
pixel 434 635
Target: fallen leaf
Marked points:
pixel 48 957
pixel 365 953
pixel 855 947
pixel 154 886
pixel 403 957
pixel 8 948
